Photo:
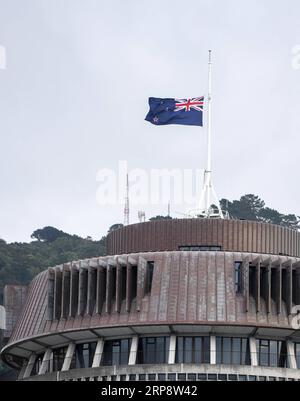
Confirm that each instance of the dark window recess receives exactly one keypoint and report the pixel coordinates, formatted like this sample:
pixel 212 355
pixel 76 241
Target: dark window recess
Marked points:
pixel 83 356
pixel 233 351
pixel 58 358
pixel 238 277
pixel 200 248
pixel 123 282
pixel 134 271
pixel 284 285
pixel 37 365
pixel 252 280
pixel 153 350
pixel 193 350
pixel 116 352
pixel 272 353
pixel 149 277
pixel 273 284
pixel 113 283
pixel 264 282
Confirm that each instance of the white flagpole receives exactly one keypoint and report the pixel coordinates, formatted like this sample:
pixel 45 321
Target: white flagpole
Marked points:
pixel 208 168
pixel 208 195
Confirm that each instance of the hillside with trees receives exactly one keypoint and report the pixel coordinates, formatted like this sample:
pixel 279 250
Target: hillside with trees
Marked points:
pixel 20 262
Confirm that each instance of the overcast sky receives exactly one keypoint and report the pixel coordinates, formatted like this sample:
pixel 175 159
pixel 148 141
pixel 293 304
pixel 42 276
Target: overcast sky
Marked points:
pixel 74 93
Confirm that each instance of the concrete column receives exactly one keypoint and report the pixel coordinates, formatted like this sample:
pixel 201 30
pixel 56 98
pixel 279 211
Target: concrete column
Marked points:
pixel 213 350
pixel 46 362
pixel 22 371
pixel 253 351
pixel 68 357
pixel 133 350
pixel 29 367
pixel 291 357
pixel 98 353
pixel 172 350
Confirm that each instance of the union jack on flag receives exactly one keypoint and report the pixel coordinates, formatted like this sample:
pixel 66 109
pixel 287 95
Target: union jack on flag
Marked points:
pixel 188 104
pixel 176 111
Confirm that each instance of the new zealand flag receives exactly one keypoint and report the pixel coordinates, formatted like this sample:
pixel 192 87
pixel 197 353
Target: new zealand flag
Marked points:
pixel 176 111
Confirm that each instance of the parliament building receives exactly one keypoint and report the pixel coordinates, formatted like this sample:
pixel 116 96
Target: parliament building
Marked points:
pixel 179 299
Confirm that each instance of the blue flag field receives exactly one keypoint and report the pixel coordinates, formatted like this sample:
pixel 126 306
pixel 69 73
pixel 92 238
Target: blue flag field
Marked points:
pixel 176 111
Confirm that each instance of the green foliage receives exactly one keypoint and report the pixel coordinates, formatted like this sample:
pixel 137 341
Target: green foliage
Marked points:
pixel 115 227
pixel 20 262
pixel 161 218
pixel 48 234
pixel 251 207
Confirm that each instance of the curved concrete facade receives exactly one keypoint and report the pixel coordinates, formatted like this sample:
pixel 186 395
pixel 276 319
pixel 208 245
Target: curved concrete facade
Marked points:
pixel 228 235
pixel 212 314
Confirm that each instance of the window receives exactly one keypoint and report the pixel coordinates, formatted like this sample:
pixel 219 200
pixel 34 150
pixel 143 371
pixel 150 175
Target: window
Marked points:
pixel 58 358
pixel 238 277
pixel 83 356
pixel 297 354
pixel 233 351
pixel 116 352
pixel 149 277
pixel 271 353
pixel 153 350
pixel 37 365
pixel 193 350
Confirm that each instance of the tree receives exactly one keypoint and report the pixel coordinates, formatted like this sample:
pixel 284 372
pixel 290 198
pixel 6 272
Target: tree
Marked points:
pixel 115 227
pixel 161 218
pixel 48 234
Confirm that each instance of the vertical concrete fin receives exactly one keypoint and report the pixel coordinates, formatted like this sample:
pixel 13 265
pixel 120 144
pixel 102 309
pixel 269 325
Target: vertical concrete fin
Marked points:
pixel 257 287
pixel 74 286
pixel 128 287
pixel 101 287
pixel 91 290
pixel 108 289
pixel 82 297
pixel 279 289
pixel 142 266
pixel 289 290
pixel 65 302
pixel 268 289
pixel 50 308
pixel 57 293
pixel 118 287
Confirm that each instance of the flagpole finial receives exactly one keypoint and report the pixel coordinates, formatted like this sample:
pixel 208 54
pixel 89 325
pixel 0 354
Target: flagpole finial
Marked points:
pixel 209 56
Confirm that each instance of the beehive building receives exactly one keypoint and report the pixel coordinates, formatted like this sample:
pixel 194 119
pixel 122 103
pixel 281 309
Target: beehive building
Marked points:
pixel 190 299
